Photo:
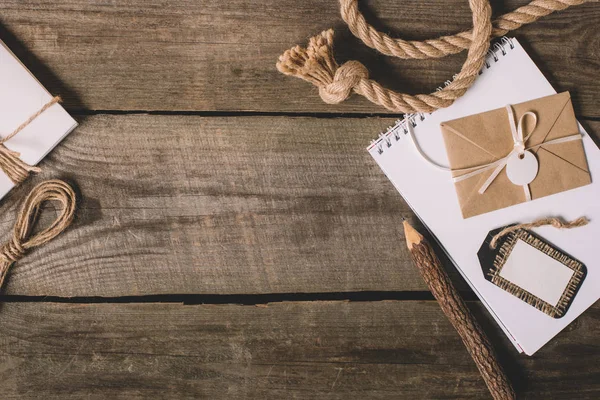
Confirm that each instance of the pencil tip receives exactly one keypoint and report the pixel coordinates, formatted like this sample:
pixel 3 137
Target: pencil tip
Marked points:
pixel 412 236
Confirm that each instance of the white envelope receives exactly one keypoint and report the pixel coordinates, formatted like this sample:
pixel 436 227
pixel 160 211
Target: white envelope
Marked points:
pixel 21 96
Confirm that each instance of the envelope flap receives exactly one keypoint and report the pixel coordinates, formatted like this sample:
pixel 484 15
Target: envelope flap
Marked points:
pixel 555 117
pixel 557 174
pixel 477 139
pixel 570 152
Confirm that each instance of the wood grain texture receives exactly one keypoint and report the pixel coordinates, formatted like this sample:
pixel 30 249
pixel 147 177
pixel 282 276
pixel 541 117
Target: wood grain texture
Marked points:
pixel 215 55
pixel 220 205
pixel 324 350
pixel 241 205
pixel 186 204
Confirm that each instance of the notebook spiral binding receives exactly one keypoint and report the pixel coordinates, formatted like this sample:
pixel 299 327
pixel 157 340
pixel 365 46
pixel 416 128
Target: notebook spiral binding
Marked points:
pixel 394 133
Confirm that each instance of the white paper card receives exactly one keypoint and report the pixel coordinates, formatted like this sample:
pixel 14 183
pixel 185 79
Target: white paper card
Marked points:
pixel 21 96
pixel 536 272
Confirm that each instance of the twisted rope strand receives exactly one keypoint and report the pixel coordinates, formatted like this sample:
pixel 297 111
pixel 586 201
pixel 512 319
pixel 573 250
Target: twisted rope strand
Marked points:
pixel 22 240
pixel 316 63
pixel 555 222
pixel 444 45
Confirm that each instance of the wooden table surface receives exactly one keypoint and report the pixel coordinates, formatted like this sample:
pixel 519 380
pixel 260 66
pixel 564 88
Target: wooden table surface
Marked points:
pixel 234 238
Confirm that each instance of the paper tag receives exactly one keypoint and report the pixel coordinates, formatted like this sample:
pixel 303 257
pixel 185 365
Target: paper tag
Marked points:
pixel 522 169
pixel 533 270
pixel 536 272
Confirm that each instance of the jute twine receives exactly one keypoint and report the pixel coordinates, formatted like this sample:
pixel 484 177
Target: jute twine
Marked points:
pixel 555 222
pixel 16 169
pixel 22 239
pixel 316 63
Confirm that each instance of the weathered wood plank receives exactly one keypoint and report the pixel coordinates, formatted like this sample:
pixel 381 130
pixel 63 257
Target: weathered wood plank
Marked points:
pixel 324 350
pixel 227 205
pixel 185 204
pixel 207 55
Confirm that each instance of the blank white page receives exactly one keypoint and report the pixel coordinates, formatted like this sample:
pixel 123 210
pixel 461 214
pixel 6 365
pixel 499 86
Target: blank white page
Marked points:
pixel 514 78
pixel 21 95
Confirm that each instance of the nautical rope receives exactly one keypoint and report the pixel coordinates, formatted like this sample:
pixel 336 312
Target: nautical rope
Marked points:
pixel 316 63
pixel 445 45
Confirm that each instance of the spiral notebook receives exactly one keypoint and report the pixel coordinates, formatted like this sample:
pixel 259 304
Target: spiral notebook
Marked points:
pixel 509 77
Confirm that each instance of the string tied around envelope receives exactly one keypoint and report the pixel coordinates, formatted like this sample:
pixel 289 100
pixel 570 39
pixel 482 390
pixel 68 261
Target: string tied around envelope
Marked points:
pixel 16 169
pixel 520 151
pixel 554 221
pixel 22 238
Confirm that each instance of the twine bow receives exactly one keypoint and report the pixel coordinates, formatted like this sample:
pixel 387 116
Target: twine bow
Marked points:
pixel 518 148
pixel 22 239
pixel 16 169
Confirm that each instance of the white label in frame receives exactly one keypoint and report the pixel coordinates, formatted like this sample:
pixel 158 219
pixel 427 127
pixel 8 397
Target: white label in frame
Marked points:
pixel 536 272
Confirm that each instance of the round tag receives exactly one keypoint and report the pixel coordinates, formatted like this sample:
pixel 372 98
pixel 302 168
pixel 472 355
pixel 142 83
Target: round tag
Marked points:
pixel 522 168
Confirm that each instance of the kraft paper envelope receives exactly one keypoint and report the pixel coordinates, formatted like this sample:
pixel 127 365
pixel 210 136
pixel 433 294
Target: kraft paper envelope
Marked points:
pixel 484 138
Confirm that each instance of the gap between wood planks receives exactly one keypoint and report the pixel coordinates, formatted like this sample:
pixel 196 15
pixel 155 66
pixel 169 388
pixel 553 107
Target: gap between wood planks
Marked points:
pixel 83 112
pixel 240 299
pixel 323 115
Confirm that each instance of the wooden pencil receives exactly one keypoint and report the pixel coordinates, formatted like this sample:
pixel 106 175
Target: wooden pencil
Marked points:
pixel 459 315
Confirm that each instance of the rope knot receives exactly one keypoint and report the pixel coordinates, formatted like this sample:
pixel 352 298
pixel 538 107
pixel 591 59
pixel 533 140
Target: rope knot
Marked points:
pixel 315 64
pixel 346 77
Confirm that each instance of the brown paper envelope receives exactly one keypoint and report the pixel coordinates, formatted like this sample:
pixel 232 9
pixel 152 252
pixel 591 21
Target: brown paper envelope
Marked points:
pixel 486 137
pixel 500 194
pixel 474 141
pixel 556 175
pixel 477 140
pixel 556 117
pixel 562 166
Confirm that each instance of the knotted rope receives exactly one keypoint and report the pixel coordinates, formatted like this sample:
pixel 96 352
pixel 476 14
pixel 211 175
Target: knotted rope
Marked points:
pixel 22 239
pixel 316 63
pixel 16 169
pixel 555 222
